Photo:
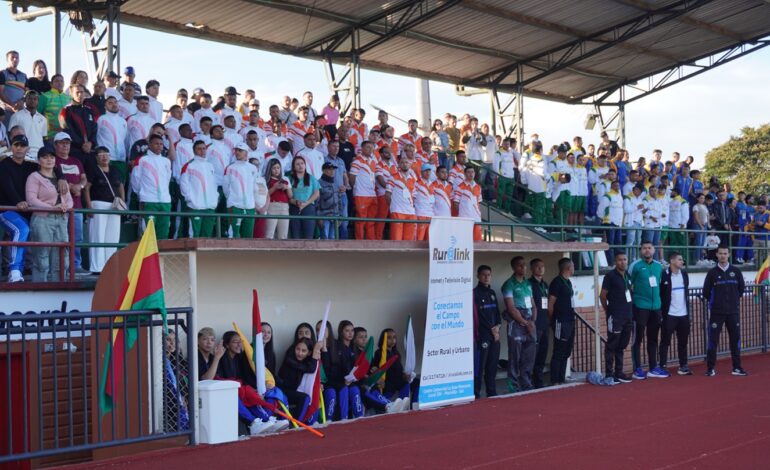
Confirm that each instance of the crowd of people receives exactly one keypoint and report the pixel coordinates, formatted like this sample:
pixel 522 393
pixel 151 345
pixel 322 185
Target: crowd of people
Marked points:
pixel 346 394
pixel 115 146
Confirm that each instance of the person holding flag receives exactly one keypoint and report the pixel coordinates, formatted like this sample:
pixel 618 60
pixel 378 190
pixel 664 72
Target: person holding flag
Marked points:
pixel 394 380
pixel 347 395
pixel 302 359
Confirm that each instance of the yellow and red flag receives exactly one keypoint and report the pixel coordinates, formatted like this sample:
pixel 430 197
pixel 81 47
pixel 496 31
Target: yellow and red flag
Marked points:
pixel 142 290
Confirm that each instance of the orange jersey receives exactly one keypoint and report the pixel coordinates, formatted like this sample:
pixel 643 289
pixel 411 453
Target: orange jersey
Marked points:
pixel 456 175
pixel 468 197
pixel 401 189
pixel 393 147
pixel 365 170
pixel 386 170
pixel 409 139
pixel 442 204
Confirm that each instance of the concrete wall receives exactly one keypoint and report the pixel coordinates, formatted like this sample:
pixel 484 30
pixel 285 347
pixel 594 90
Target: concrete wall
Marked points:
pixel 373 289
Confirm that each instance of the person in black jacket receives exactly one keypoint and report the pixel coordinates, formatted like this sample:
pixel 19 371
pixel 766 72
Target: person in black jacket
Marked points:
pixel 540 295
pixel 14 172
pixel 723 289
pixel 674 295
pixel 302 359
pixel 396 382
pixel 347 394
pixel 488 341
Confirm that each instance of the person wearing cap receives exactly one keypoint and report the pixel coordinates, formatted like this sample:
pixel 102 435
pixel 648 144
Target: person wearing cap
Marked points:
pixel 152 88
pixel 313 157
pixel 328 204
pixel 246 191
pixel 14 172
pixel 12 85
pixel 424 199
pixel 466 200
pixel 52 102
pixel 129 74
pixel 112 133
pixel 78 121
pixel 232 137
pixel 73 171
pixel 150 180
pixel 34 124
pixel 198 185
pixel 341 182
pixel 48 227
pixel 194 104
pixel 204 111
pixel 230 107
pixel 400 195
pixel 139 124
pixel 112 85
pixel 246 105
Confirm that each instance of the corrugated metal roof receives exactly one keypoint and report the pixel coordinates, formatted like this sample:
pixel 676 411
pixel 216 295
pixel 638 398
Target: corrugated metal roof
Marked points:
pixel 471 41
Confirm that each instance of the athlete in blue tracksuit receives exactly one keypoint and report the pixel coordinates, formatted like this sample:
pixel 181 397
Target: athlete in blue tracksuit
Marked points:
pixel 744 253
pixel 723 289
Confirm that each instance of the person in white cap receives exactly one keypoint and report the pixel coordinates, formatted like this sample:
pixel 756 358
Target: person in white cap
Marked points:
pixel 72 170
pixel 141 122
pixel 246 191
pixel 150 180
pixel 112 133
pixel 199 189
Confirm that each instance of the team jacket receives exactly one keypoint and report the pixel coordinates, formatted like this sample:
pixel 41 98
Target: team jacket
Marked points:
pixel 112 132
pixel 79 123
pixel 665 290
pixel 198 185
pixel 723 290
pixel 151 177
pixel 485 301
pixel 241 188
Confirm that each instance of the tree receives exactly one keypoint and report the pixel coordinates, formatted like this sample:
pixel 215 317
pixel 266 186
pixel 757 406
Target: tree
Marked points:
pixel 743 161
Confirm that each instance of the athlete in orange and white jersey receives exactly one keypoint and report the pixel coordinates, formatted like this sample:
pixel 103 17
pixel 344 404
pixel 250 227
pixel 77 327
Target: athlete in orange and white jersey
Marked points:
pixel 411 137
pixel 414 163
pixel 401 195
pixel 425 154
pixel 359 128
pixel 299 128
pixel 442 193
pixel 467 200
pixel 387 165
pixel 363 173
pixel 424 200
pixel 457 174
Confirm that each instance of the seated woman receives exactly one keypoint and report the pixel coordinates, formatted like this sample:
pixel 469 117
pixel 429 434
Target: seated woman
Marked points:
pixel 303 330
pixel 267 341
pixel 370 395
pixel 395 381
pixel 175 386
pixel 302 359
pixel 348 395
pixel 330 363
pixel 234 365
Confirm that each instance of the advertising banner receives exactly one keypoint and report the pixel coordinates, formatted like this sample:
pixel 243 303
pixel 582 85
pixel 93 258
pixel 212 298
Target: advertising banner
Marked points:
pixel 447 361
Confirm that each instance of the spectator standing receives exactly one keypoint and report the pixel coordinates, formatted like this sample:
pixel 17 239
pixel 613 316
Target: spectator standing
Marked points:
pixel 103 189
pixel 112 133
pixel 245 190
pixel 52 102
pixel 198 186
pixel 362 176
pixel 152 88
pixel 723 289
pixel 522 329
pixel 14 172
pixel 467 201
pixel 540 296
pixel 12 85
pixel 675 306
pixel 150 180
pixel 645 276
pixel 34 124
pixel 328 201
pixel 73 171
pixel 140 123
pixel 561 311
pixel 400 194
pixel 279 191
pixel 617 303
pixel 331 113
pixel 48 227
pixel 305 191
pixel 39 80
pixel 342 183
pixel 77 120
pixel 487 341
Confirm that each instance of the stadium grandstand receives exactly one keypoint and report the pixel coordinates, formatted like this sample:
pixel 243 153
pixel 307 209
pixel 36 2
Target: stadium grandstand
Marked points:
pixel 134 231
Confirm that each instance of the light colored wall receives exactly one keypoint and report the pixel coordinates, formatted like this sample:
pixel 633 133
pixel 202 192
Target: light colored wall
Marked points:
pixel 375 290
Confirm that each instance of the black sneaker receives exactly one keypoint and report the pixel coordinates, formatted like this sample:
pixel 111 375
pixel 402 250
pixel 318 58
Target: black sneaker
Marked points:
pixel 684 370
pixel 623 378
pixel 615 381
pixel 711 373
pixel 740 371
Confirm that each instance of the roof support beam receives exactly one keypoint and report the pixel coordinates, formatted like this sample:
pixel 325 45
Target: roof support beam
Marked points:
pixel 571 53
pixel 719 30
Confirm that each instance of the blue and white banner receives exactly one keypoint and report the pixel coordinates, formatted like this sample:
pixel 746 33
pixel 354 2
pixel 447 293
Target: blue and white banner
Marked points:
pixel 447 359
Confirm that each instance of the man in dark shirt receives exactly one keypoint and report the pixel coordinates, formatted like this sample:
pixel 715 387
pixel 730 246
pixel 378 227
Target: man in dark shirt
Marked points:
pixel 13 178
pixel 488 341
pixel 723 289
pixel 617 303
pixel 540 295
pixel 77 120
pixel 561 310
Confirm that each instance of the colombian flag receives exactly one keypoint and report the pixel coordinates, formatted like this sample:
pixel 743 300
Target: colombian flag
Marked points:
pixel 142 290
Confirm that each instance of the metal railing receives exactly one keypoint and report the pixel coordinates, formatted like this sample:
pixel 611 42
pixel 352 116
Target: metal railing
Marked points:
pixel 52 366
pixel 583 357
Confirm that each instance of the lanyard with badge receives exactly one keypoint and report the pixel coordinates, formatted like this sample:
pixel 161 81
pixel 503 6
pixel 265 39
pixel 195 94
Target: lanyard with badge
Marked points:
pixel 627 282
pixel 543 296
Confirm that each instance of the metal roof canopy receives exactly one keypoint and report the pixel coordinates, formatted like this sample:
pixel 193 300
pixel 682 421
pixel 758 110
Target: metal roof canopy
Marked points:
pixel 563 50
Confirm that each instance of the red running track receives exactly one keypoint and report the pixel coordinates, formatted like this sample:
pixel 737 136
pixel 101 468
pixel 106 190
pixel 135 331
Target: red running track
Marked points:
pixel 720 422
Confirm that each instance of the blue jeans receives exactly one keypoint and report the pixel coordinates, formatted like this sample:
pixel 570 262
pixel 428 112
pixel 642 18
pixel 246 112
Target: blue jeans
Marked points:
pixel 700 238
pixel 78 238
pixel 18 229
pixel 614 239
pixel 653 236
pixel 327 230
pixel 344 213
pixel 302 228
pixel 744 248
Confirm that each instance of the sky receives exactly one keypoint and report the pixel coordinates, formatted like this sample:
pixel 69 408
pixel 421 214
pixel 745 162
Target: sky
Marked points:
pixel 691 117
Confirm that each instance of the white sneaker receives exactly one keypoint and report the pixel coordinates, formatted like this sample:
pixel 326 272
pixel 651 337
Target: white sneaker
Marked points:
pixel 405 404
pixel 258 426
pixel 15 276
pixel 281 425
pixel 275 425
pixel 394 406
pixel 526 216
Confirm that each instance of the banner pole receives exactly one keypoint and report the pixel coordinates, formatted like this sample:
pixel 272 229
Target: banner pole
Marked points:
pixel 597 334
